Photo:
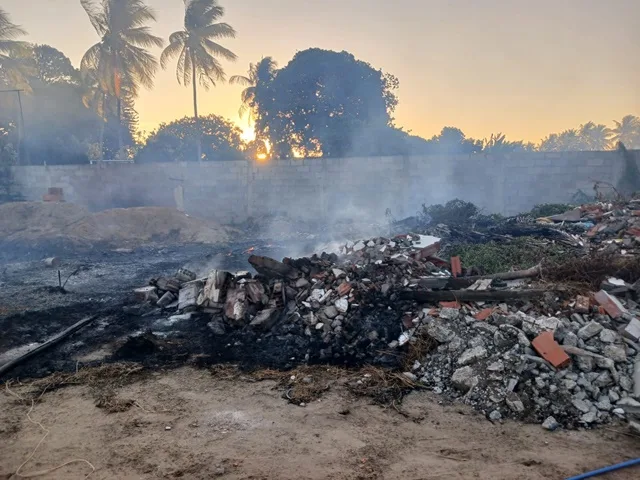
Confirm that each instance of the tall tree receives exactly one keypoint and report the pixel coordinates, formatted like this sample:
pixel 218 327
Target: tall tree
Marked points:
pixel 13 68
pixel 595 137
pixel 121 59
pixel 627 131
pixel 257 81
pixel 196 46
pixel 325 103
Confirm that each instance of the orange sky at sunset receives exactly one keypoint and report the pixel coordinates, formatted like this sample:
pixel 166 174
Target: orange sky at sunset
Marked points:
pixel 518 67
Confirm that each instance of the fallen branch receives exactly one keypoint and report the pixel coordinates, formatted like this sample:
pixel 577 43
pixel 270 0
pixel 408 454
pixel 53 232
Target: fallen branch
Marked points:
pixel 44 346
pixel 528 273
pixel 470 295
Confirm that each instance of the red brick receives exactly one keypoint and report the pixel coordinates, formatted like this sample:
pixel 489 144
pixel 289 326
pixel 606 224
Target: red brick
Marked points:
pixel 550 350
pixel 611 305
pixel 456 267
pixel 344 288
pixel 483 314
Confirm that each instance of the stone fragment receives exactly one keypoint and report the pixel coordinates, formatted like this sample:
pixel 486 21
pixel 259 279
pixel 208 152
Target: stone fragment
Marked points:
pixel 585 364
pixel 589 417
pixel 472 355
pixel 535 326
pixel 632 330
pixel 608 336
pixel 188 296
pixel 302 282
pixel 497 366
pixel 616 353
pixel 330 312
pixel 266 319
pixel 464 379
pixel 449 313
pixel 550 424
pixel 514 403
pixel 581 405
pixel 342 305
pixel 603 380
pixel 495 416
pixel 439 331
pixel 590 330
pixel 166 299
pixel 570 339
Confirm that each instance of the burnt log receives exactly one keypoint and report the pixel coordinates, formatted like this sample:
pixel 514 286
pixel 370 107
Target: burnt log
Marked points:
pixel 469 295
pixel 271 268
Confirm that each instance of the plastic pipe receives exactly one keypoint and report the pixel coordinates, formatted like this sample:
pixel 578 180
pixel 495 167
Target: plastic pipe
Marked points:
pixel 611 468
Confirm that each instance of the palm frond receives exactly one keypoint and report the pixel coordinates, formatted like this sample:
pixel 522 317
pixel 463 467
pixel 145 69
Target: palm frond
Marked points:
pixel 142 37
pixel 215 49
pixel 240 80
pixel 170 52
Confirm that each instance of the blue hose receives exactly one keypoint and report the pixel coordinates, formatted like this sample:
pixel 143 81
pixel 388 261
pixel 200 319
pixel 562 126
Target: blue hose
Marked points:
pixel 612 468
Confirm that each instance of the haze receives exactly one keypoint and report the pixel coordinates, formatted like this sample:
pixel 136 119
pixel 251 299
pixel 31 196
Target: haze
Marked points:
pixel 519 67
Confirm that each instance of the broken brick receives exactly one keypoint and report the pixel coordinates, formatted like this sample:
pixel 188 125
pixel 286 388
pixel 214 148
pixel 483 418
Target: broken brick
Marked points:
pixel 344 289
pixel 456 267
pixel 611 304
pixel 483 314
pixel 550 350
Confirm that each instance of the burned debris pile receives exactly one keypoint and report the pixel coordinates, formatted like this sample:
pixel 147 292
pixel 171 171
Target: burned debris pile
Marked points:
pixel 557 342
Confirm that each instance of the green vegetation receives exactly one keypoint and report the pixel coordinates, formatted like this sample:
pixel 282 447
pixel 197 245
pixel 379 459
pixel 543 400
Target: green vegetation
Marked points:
pixel 518 254
pixel 458 213
pixel 549 209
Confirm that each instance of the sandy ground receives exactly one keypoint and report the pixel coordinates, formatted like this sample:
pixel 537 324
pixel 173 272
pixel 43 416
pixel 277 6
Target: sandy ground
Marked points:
pixel 242 429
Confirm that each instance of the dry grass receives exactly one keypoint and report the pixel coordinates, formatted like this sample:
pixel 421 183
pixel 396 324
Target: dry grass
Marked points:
pixel 383 386
pixel 592 270
pixel 103 382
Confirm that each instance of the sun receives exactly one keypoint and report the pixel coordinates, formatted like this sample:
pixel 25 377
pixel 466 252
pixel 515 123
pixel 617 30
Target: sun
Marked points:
pixel 248 134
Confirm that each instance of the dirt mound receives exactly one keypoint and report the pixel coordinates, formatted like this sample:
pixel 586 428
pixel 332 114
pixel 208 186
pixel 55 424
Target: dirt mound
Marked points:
pixel 27 221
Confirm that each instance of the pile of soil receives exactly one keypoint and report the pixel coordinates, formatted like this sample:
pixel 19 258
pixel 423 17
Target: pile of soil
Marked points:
pixel 32 221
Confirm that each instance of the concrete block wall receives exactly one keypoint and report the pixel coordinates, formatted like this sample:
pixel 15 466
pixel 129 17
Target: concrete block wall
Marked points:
pixel 362 188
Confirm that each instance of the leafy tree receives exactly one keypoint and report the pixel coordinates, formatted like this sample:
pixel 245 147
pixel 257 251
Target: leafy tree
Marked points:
pixel 13 69
pixel 120 59
pixel 196 46
pixel 54 67
pixel 259 78
pixel 321 102
pixel 627 131
pixel 453 140
pixel 499 144
pixel 595 137
pixel 178 141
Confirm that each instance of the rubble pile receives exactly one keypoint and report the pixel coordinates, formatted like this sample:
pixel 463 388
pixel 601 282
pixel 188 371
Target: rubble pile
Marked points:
pixel 577 369
pixel 512 344
pixel 313 309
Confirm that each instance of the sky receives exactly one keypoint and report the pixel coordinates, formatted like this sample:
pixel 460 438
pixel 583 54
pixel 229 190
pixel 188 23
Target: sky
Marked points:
pixel 524 68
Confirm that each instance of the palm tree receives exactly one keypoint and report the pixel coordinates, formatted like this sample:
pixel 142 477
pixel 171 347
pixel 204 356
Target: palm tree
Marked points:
pixel 13 68
pixel 259 74
pixel 627 131
pixel 595 137
pixel 120 59
pixel 196 46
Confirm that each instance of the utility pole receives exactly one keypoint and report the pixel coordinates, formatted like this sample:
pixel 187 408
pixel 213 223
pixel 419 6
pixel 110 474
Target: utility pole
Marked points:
pixel 21 145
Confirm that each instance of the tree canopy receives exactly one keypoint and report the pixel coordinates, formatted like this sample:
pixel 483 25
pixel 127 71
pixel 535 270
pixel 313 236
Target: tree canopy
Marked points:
pixel 178 141
pixel 321 102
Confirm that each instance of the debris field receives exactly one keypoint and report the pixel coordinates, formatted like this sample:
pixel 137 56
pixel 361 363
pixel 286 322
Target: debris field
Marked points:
pixel 539 344
pixel 555 342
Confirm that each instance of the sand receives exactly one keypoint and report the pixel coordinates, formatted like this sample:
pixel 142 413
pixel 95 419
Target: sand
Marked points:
pixel 31 221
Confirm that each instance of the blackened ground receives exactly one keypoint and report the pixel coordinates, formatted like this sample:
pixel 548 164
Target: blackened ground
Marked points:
pixel 100 280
